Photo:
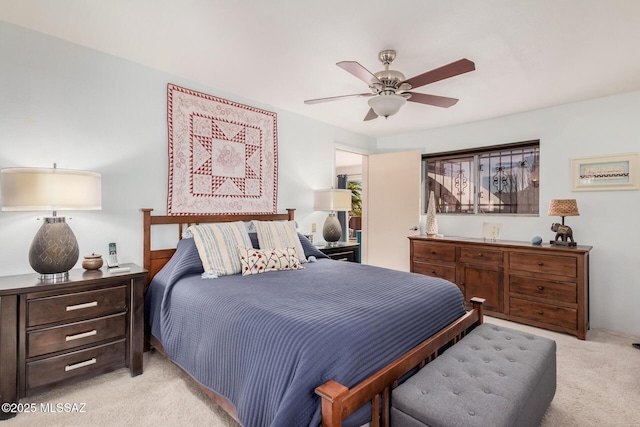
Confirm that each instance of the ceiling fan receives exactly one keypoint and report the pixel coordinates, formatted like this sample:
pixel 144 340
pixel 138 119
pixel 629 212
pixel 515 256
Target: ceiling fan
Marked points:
pixel 390 90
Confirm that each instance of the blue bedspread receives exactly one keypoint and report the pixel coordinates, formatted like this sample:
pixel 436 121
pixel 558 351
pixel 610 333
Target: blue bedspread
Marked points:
pixel 265 342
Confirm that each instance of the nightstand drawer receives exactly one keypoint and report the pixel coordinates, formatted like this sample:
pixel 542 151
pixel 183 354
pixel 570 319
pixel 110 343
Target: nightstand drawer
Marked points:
pixel 77 305
pixel 550 314
pixel 92 360
pixel 72 335
pixel 547 264
pixel 481 255
pixel 435 270
pixel 548 289
pixel 436 251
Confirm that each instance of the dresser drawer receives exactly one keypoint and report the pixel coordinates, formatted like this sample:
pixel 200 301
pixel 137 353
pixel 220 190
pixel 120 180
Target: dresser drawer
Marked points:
pixel 549 289
pixel 93 360
pixel 346 255
pixel 549 314
pixel 77 305
pixel 423 250
pixel 435 270
pixel 64 337
pixel 481 255
pixel 547 264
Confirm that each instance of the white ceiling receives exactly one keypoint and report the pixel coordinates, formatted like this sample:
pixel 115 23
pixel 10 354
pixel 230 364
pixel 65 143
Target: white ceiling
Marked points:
pixel 529 54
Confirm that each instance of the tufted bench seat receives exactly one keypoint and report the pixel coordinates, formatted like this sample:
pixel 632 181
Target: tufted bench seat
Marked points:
pixel 494 377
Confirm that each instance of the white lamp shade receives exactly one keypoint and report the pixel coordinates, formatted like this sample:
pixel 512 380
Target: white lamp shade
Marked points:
pixel 332 200
pixel 386 105
pixel 50 189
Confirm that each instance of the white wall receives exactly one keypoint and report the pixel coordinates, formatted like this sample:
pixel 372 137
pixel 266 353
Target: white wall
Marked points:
pixel 608 221
pixel 64 103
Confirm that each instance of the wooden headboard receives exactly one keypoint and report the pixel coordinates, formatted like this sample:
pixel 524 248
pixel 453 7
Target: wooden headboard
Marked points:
pixel 154 260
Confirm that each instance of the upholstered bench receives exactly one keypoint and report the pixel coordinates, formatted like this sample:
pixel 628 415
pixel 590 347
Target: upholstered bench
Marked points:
pixel 493 377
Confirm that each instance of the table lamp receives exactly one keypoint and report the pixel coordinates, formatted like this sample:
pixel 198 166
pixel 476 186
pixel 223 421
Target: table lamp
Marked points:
pixel 562 208
pixel 332 200
pixel 54 250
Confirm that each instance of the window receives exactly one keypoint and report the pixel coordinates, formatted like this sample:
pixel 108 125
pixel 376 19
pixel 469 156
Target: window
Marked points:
pixel 495 180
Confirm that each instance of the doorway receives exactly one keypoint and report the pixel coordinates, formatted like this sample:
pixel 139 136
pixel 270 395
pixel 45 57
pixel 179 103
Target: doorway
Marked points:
pixel 350 174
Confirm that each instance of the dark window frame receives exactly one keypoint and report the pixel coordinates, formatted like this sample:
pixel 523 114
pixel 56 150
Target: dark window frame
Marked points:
pixel 508 175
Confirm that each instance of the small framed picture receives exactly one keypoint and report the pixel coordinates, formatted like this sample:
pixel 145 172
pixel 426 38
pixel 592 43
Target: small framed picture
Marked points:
pixel 491 231
pixel 606 173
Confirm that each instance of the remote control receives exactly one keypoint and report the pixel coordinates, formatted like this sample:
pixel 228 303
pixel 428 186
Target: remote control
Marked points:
pixel 119 270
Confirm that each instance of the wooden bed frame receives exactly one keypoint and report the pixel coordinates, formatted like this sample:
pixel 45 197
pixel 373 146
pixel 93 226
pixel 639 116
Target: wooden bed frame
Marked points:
pixel 338 401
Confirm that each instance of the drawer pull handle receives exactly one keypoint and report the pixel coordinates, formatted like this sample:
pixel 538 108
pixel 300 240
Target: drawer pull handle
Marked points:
pixel 82 335
pixel 433 252
pixel 541 264
pixel 80 364
pixel 540 288
pixel 479 254
pixel 540 312
pixel 81 306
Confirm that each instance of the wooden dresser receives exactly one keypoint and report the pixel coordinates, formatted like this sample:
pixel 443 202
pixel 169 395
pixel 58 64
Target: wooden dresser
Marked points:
pixel 545 286
pixel 57 333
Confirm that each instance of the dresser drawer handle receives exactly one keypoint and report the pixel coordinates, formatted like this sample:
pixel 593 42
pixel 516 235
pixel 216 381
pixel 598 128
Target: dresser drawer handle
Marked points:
pixel 80 364
pixel 81 335
pixel 81 306
pixel 433 252
pixel 433 272
pixel 541 264
pixel 479 254
pixel 540 312
pixel 541 288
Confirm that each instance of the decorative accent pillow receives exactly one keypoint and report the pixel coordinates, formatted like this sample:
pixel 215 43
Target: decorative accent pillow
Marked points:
pixel 217 245
pixel 279 234
pixel 255 261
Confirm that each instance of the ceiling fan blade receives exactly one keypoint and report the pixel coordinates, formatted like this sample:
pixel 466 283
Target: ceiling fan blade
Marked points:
pixel 446 71
pixel 359 71
pixel 438 101
pixel 370 115
pixel 336 98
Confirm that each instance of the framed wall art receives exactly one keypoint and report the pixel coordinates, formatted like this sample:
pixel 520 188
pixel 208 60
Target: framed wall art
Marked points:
pixel 606 173
pixel 223 156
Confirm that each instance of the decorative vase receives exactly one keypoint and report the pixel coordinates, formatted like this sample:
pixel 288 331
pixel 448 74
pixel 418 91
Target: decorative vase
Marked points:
pixel 432 223
pixel 92 262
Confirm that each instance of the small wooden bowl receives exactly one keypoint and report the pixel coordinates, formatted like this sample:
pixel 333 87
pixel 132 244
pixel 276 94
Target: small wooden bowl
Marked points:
pixel 92 262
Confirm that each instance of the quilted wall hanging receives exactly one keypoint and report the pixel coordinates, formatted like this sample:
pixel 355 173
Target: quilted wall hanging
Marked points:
pixel 223 156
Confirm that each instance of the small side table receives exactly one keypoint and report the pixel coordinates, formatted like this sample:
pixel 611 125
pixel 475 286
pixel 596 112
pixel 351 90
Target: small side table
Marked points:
pixel 342 251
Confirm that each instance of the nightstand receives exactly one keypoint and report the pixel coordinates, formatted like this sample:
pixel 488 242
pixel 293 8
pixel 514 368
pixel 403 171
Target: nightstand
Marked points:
pixel 52 334
pixel 342 251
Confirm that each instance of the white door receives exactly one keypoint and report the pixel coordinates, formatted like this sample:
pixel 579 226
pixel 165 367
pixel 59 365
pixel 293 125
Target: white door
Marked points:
pixel 393 210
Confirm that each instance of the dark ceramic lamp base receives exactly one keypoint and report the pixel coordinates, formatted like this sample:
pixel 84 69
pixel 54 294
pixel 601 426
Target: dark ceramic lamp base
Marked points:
pixel 332 230
pixel 54 250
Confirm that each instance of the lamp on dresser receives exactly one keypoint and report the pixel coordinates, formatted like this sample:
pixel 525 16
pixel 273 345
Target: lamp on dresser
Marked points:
pixel 562 208
pixel 54 250
pixel 332 200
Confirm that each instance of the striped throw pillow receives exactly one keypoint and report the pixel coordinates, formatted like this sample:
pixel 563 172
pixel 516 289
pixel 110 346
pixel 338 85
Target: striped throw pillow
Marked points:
pixel 279 234
pixel 217 245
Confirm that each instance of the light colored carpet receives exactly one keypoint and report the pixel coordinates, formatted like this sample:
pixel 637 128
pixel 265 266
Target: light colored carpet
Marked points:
pixel 598 385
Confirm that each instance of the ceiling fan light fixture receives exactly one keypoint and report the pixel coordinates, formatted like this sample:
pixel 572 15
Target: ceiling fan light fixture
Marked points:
pixel 386 105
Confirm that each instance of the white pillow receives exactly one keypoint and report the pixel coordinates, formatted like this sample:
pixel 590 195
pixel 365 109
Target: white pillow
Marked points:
pixel 279 234
pixel 217 245
pixel 256 261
